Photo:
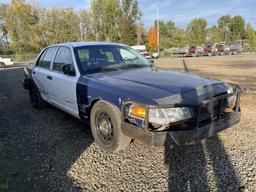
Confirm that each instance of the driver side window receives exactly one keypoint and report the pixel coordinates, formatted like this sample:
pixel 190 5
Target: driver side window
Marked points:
pixel 63 57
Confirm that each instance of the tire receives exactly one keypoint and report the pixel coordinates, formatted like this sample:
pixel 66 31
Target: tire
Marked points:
pixel 35 97
pixel 105 121
pixel 2 65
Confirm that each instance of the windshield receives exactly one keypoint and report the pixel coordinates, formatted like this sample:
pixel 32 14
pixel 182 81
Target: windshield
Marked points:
pixel 97 58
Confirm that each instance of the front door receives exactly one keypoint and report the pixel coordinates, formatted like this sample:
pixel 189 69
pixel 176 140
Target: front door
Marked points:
pixel 62 87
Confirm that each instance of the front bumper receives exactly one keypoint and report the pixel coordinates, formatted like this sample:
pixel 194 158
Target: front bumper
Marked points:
pixel 199 129
pixel 180 137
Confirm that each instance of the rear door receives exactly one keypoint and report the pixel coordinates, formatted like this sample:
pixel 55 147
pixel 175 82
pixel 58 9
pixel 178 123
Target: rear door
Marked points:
pixel 62 87
pixel 41 71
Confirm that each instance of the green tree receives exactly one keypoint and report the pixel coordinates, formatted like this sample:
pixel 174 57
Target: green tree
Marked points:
pixel 197 31
pixel 141 34
pixel 251 35
pixel 105 17
pixel 86 25
pixel 61 25
pixel 180 38
pixel 19 21
pixel 130 17
pixel 97 14
pixel 224 24
pixel 111 13
pixel 237 28
pixel 4 41
pixel 166 30
pixel 213 35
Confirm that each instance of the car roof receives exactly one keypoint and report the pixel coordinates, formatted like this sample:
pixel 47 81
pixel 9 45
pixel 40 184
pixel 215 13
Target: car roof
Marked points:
pixel 86 43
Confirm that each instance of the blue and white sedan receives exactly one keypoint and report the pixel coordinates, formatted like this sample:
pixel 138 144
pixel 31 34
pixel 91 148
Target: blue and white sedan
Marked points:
pixel 125 97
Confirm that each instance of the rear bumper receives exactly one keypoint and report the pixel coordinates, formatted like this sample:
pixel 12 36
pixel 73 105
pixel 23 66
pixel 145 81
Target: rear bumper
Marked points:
pixel 180 137
pixel 26 84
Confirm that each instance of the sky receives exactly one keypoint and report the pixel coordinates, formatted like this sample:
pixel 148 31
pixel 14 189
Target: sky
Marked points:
pixel 179 11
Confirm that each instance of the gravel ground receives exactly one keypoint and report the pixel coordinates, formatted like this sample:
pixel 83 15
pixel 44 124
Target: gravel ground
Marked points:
pixel 48 150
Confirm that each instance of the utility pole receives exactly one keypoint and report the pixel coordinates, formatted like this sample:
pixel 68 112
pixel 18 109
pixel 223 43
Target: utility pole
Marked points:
pixel 158 35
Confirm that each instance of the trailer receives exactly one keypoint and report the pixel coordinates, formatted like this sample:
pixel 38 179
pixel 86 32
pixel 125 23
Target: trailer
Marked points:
pixel 235 49
pixel 179 52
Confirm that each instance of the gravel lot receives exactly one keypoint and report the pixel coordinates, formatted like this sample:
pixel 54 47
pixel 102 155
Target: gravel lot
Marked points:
pixel 48 150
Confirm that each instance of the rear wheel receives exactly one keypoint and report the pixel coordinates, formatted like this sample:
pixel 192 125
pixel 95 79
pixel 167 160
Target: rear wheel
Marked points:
pixel 105 123
pixel 2 65
pixel 35 97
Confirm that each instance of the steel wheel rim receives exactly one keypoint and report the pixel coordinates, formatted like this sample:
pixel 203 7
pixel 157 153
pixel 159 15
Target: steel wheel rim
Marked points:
pixel 104 127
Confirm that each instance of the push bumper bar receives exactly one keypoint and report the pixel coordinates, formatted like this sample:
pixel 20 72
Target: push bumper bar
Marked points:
pixel 179 137
pixel 198 132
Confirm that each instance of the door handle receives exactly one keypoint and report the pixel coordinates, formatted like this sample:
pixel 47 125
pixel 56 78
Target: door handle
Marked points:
pixel 34 72
pixel 49 77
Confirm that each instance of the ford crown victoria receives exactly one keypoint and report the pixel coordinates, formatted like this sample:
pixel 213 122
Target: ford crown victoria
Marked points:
pixel 125 97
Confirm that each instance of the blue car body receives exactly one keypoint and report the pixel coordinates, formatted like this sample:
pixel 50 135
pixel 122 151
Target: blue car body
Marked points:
pixel 156 88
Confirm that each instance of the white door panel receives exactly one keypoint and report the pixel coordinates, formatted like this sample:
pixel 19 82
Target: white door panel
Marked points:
pixel 62 89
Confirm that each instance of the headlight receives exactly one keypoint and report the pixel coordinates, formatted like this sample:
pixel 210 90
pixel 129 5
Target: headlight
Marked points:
pixel 168 115
pixel 160 116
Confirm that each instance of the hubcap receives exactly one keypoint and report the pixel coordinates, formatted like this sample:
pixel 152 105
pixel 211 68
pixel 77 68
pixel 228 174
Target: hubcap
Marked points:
pixel 104 127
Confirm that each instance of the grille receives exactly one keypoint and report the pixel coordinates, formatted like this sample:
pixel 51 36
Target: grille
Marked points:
pixel 212 111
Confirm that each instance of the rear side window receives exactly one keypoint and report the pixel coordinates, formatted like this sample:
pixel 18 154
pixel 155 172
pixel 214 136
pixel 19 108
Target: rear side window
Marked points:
pixel 46 58
pixel 63 57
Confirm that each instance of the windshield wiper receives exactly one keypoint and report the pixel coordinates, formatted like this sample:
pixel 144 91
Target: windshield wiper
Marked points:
pixel 126 65
pixel 133 66
pixel 100 69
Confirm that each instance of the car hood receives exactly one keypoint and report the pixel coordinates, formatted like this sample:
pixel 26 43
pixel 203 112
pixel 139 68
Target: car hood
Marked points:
pixel 164 87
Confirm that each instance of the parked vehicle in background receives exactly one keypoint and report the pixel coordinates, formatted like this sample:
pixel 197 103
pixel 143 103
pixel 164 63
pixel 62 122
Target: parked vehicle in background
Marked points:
pixel 235 48
pixel 4 62
pixel 142 50
pixel 179 52
pixel 124 97
pixel 139 48
pixel 189 51
pixel 208 50
pixel 222 49
pixel 192 51
pixel 199 51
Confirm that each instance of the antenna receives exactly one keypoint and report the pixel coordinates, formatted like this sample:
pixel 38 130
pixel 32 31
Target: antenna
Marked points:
pixel 185 65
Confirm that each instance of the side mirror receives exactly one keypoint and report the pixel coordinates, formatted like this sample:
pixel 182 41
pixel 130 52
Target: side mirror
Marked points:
pixel 68 69
pixel 155 55
pixel 152 62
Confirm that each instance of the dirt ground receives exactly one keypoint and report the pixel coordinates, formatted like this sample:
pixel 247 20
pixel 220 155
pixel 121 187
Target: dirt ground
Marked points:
pixel 47 150
pixel 232 68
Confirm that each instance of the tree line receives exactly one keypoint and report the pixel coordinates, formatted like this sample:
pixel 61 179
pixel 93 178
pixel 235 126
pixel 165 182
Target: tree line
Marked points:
pixel 27 28
pixel 227 30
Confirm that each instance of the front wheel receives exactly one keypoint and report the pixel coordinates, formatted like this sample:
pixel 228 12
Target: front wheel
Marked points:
pixel 2 65
pixel 105 123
